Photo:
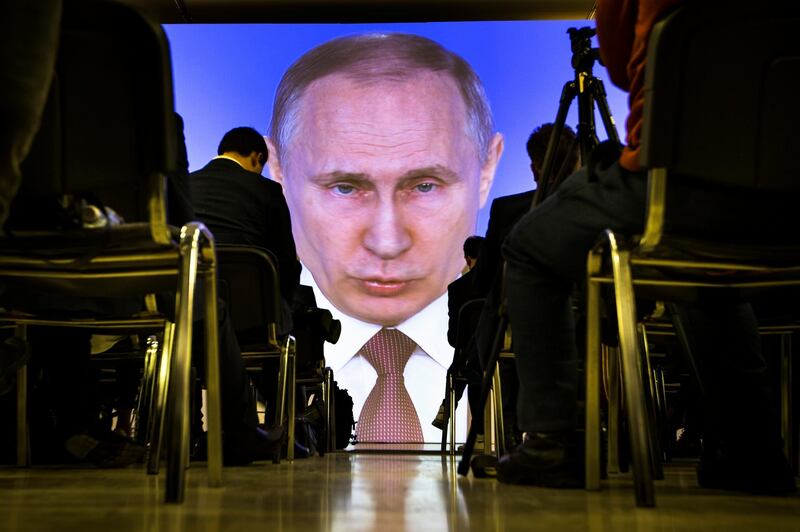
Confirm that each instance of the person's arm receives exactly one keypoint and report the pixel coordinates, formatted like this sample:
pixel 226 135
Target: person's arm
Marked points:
pixel 180 208
pixel 489 257
pixel 452 314
pixel 616 27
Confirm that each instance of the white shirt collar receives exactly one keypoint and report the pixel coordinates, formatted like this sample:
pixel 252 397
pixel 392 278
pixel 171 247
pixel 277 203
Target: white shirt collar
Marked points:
pixel 230 159
pixel 428 328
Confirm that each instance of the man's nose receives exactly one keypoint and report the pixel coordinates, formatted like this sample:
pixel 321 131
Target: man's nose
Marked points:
pixel 387 236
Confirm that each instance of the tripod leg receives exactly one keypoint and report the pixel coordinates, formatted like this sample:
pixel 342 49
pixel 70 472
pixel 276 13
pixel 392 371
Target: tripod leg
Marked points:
pixel 587 135
pixel 486 387
pixel 567 95
pixel 599 93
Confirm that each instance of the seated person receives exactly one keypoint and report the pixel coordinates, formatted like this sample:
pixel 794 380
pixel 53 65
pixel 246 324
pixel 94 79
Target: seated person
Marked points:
pixel 240 206
pixel 460 292
pixel 546 254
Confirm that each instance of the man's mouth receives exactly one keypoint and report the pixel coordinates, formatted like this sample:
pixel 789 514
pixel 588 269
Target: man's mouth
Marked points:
pixel 383 287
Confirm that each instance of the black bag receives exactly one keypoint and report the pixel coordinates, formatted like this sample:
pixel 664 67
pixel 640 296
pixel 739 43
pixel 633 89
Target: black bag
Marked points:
pixel 345 424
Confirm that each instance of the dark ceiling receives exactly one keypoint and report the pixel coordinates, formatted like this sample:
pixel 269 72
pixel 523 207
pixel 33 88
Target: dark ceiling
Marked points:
pixel 205 11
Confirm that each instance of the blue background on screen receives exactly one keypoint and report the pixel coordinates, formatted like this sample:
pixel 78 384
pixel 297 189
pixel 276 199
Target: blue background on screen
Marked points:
pixel 225 76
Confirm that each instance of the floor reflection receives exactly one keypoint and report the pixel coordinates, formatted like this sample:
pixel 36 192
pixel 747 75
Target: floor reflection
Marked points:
pixel 367 492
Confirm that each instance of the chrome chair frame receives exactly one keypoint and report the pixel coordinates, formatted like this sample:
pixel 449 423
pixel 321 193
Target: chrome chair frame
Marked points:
pixel 681 85
pixel 193 256
pixel 283 349
pixel 132 96
pixel 623 260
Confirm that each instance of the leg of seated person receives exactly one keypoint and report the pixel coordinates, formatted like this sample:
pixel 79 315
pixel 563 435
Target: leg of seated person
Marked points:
pixel 244 441
pixel 741 445
pixel 63 353
pixel 546 253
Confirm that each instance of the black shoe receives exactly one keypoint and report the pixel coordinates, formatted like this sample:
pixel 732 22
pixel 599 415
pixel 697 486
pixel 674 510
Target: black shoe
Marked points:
pixel 438 421
pixel 241 448
pixel 760 472
pixel 483 466
pixel 106 450
pixel 549 459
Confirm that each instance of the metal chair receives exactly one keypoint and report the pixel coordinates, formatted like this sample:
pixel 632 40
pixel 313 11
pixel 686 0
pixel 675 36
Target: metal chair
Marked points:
pixel 249 284
pixel 467 321
pixel 108 134
pixel 697 123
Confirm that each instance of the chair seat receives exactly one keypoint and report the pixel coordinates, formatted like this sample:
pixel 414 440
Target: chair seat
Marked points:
pixel 764 255
pixel 84 243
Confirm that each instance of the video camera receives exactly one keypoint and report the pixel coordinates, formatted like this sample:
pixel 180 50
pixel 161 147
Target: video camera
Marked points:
pixel 583 55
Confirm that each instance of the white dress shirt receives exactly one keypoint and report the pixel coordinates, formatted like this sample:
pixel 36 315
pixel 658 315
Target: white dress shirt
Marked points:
pixel 425 373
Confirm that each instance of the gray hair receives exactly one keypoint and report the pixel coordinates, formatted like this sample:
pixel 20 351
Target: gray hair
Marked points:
pixel 380 56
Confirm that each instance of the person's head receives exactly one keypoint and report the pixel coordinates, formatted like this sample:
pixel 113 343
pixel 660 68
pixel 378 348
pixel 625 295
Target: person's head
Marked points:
pixel 472 248
pixel 247 146
pixel 566 157
pixel 386 149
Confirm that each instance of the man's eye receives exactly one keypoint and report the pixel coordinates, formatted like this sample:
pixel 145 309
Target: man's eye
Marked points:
pixel 425 187
pixel 344 189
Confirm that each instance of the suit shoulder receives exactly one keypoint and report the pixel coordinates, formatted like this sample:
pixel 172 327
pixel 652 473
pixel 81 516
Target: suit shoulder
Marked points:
pixel 514 199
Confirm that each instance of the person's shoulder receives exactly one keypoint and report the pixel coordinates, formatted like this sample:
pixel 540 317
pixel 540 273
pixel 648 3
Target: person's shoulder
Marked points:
pixel 514 199
pixel 272 188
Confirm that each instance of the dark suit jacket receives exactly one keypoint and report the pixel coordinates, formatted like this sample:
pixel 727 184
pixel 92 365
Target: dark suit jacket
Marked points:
pixel 242 207
pixel 458 292
pixel 503 215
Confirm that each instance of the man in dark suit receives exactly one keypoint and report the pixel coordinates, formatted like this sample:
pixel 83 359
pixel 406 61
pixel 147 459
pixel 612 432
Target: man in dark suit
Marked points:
pixel 507 210
pixel 240 206
pixel 460 292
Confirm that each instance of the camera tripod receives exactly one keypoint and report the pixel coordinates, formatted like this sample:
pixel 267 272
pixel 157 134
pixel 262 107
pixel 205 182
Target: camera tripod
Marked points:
pixel 590 91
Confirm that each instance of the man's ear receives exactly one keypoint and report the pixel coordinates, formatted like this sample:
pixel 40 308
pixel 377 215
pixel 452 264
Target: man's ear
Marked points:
pixel 273 162
pixel 490 167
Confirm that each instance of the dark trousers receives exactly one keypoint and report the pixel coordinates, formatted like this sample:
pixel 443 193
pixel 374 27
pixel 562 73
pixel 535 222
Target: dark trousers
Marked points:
pixel 29 34
pixel 546 254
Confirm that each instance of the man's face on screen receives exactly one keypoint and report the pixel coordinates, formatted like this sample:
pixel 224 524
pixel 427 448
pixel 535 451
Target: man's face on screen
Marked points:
pixel 383 183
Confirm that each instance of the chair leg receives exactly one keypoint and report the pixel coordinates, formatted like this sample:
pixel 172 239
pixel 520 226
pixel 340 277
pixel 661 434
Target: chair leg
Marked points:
pixel 632 373
pixel 327 394
pixel 331 410
pixel 499 432
pixel 656 456
pixel 23 441
pixel 281 394
pixel 158 407
pixel 451 414
pixel 486 388
pixel 213 393
pixel 446 411
pixel 145 400
pixel 592 429
pixel 489 420
pixel 292 368
pixel 612 359
pixel 786 395
pixel 179 414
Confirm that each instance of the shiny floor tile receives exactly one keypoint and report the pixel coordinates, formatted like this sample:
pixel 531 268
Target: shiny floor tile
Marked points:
pixel 355 492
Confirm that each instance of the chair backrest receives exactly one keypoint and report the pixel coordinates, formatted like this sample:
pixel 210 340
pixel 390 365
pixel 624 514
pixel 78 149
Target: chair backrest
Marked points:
pixel 249 284
pixel 721 100
pixel 108 129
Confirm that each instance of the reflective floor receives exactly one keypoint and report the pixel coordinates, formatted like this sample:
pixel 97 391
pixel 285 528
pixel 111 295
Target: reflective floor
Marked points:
pixel 352 492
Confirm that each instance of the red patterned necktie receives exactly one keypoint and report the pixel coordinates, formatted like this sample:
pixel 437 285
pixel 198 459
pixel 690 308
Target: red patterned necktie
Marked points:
pixel 388 415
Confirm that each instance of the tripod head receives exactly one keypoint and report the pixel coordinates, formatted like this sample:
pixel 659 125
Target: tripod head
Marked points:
pixel 583 55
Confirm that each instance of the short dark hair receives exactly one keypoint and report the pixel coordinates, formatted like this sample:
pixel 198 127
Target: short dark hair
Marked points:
pixel 472 246
pixel 566 158
pixel 244 141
